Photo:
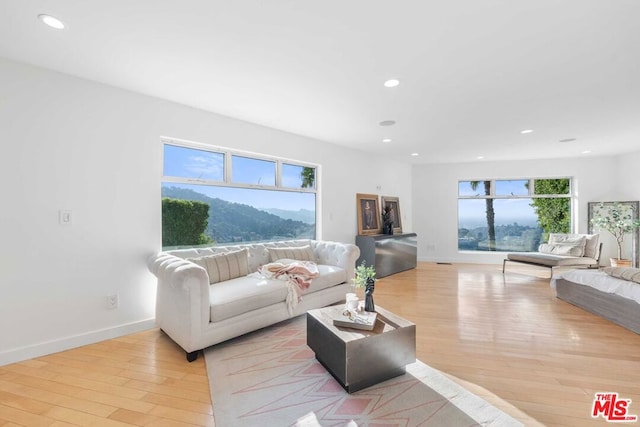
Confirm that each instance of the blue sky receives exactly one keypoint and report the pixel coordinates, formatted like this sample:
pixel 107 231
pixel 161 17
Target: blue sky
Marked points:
pixel 193 163
pixel 503 188
pixel 472 212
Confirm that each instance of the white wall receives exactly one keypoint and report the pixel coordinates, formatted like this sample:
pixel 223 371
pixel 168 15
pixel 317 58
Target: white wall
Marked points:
pixel 73 144
pixel 626 182
pixel 435 203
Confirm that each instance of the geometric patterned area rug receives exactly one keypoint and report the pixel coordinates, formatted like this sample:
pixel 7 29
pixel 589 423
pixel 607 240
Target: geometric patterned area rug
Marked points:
pixel 271 378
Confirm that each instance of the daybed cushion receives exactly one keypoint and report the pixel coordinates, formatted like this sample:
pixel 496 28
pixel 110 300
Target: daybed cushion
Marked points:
pixel 591 246
pixel 564 245
pixel 224 266
pixel 550 260
pixel 625 273
pixel 554 253
pixel 244 294
pixel 301 253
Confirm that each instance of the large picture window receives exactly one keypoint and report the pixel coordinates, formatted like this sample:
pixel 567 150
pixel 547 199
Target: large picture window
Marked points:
pixel 215 195
pixel 512 215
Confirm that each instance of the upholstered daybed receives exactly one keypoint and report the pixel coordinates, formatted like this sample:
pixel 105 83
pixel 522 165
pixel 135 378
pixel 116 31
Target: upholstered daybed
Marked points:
pixel 562 250
pixel 612 293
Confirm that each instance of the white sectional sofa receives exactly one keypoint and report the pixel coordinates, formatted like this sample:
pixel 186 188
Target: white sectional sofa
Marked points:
pixel 205 296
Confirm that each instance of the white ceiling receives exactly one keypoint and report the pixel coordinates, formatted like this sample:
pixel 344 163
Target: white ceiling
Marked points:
pixel 473 73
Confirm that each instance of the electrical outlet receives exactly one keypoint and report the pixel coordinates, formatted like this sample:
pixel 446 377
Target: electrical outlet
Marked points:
pixel 112 301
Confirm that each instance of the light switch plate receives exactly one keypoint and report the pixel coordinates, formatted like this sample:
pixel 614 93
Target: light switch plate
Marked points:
pixel 65 217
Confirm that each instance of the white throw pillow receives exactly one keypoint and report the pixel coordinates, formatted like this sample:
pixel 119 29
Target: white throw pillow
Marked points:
pixel 566 245
pixel 626 273
pixel 591 246
pixel 224 266
pixel 299 253
pixel 545 248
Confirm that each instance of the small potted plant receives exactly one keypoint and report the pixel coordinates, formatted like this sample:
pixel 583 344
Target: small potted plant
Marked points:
pixel 365 278
pixel 619 222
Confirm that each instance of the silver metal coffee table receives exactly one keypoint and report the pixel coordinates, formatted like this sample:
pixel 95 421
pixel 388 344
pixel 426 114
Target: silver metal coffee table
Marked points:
pixel 358 359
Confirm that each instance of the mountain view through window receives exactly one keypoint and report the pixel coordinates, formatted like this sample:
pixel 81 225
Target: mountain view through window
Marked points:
pixel 211 197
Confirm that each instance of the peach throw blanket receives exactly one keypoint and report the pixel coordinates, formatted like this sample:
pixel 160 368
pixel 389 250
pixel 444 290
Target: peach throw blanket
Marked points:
pixel 297 274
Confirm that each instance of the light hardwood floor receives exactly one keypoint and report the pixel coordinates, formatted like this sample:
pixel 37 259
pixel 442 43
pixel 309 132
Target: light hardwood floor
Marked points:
pixel 511 336
pixel 141 379
pixel 503 337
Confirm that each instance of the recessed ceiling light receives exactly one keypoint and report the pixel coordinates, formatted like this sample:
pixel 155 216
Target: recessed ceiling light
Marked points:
pixel 480 157
pixel 586 152
pixel 51 21
pixel 567 140
pixel 526 131
pixel 392 83
pixel 387 123
pixel 415 154
pixel 387 140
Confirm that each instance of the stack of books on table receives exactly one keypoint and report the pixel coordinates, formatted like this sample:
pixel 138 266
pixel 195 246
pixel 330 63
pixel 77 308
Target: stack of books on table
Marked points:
pixel 363 320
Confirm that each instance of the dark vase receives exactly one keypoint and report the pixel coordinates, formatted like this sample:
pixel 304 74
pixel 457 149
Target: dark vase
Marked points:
pixel 387 228
pixel 368 295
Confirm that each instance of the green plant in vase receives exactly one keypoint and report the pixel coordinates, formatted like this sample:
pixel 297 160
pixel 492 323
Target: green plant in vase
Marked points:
pixel 365 278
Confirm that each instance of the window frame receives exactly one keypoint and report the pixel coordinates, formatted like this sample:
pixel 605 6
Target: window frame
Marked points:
pixel 570 195
pixel 227 173
pixel 524 196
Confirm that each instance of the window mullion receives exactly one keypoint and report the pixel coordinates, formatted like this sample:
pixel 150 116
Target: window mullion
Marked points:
pixel 227 168
pixel 279 174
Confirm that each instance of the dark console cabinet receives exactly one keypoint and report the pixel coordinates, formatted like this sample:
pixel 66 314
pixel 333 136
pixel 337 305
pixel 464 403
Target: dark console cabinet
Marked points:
pixel 389 254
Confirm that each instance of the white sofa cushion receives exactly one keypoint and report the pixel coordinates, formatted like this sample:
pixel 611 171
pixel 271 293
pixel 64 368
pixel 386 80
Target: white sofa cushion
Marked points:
pixel 302 253
pixel 224 266
pixel 329 275
pixel 244 294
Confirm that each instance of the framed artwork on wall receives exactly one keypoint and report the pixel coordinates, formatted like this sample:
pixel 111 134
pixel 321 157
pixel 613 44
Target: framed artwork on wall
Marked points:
pixel 617 224
pixel 368 214
pixel 394 211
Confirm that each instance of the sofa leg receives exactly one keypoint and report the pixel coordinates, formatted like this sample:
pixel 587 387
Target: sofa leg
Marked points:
pixel 192 356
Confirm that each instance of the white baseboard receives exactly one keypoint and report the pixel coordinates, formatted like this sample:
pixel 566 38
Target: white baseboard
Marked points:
pixel 66 343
